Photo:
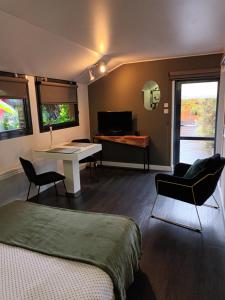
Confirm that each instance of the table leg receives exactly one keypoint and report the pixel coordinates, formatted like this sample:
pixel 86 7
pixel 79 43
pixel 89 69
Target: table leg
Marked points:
pixel 72 174
pixel 144 158
pixel 148 160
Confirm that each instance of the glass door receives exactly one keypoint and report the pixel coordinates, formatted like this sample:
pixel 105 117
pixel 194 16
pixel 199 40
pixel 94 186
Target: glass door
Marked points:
pixel 195 119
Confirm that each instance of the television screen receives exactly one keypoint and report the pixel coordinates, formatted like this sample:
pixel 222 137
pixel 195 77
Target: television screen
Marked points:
pixel 113 122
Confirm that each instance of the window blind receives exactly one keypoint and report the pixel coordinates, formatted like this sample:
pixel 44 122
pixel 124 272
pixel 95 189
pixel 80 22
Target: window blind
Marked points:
pixel 12 87
pixel 193 74
pixel 53 93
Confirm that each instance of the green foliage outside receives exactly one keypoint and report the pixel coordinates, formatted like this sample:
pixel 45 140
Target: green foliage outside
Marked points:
pixel 9 122
pixel 207 117
pixel 56 114
pixel 204 112
pixel 10 112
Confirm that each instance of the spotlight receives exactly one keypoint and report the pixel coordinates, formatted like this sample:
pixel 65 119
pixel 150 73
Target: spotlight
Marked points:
pixel 91 75
pixel 102 67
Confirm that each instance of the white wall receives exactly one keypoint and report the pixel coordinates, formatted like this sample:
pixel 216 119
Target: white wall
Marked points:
pixel 221 138
pixel 13 184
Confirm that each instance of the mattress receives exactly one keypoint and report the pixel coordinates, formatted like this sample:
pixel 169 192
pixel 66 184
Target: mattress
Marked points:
pixel 28 275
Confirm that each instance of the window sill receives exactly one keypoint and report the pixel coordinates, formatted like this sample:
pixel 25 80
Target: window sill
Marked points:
pixel 59 126
pixel 14 134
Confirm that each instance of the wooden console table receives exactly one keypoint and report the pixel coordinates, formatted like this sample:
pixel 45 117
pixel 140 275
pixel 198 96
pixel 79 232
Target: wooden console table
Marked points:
pixel 141 141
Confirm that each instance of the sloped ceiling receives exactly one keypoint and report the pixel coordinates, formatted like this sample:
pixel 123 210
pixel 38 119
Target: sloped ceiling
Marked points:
pixel 61 39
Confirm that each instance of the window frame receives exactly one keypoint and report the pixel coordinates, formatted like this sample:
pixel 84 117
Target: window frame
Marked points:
pixel 177 111
pixel 28 130
pixel 46 128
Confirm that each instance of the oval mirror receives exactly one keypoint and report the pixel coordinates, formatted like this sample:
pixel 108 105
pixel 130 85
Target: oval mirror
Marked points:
pixel 151 94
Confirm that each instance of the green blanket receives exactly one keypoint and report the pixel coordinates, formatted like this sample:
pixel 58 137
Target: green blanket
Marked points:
pixel 110 242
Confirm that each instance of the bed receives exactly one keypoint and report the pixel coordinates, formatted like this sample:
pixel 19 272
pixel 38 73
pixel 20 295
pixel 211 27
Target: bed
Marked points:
pixel 51 253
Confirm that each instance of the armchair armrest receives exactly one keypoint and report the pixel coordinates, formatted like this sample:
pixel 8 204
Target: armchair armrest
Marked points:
pixel 181 169
pixel 194 190
pixel 175 187
pixel 173 180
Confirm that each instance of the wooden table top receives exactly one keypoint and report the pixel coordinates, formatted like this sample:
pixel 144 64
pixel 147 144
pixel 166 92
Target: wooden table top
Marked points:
pixel 141 141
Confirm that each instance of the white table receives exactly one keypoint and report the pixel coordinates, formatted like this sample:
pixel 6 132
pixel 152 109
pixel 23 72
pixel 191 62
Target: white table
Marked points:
pixel 70 162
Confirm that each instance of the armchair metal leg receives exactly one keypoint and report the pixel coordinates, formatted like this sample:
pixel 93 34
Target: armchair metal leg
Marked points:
pixel 217 204
pixel 175 223
pixel 198 219
pixel 213 206
pixel 154 204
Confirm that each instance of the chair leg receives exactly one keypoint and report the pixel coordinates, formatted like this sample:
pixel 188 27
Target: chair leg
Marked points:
pixel 38 191
pixel 175 223
pixel 56 192
pixel 28 191
pixel 213 206
pixel 90 166
pixel 65 186
pixel 96 170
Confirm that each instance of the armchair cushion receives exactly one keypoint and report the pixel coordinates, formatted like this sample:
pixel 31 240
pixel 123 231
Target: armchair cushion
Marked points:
pixel 198 166
pixel 174 187
pixel 211 163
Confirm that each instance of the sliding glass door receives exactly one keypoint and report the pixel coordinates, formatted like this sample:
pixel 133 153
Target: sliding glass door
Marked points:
pixel 195 119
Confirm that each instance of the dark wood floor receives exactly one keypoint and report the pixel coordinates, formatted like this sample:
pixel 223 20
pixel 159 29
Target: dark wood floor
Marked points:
pixel 177 264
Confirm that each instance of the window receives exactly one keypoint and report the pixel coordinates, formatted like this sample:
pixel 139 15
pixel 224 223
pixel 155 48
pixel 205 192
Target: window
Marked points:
pixel 57 104
pixel 195 116
pixel 15 118
pixel 57 113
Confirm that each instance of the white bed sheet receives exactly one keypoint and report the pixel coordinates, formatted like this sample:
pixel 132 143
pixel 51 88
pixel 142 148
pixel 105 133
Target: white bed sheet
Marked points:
pixel 28 275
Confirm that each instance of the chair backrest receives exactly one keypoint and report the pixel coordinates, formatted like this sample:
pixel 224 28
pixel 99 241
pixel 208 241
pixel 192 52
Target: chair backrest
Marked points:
pixel 28 169
pixel 207 181
pixel 81 141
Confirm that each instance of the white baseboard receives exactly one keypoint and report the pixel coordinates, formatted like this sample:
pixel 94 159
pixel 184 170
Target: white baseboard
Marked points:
pixel 222 200
pixel 10 173
pixel 136 166
pixel 13 172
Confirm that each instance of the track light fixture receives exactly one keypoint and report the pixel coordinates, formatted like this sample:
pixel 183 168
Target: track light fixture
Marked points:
pixel 99 67
pixel 91 75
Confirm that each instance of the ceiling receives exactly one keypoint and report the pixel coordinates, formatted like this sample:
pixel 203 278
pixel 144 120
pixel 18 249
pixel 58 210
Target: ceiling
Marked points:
pixel 61 39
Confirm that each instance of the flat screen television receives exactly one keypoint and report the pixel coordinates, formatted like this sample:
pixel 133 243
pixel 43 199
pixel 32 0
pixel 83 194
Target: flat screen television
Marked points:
pixel 110 122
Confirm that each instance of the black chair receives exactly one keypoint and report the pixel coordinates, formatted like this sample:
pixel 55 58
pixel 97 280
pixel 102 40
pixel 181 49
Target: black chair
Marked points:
pixel 40 179
pixel 195 190
pixel 90 159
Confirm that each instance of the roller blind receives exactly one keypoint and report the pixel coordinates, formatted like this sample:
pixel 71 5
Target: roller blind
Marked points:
pixel 51 92
pixel 193 74
pixel 11 87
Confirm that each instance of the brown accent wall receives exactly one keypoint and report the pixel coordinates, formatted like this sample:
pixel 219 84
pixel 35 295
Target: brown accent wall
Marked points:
pixel 121 90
